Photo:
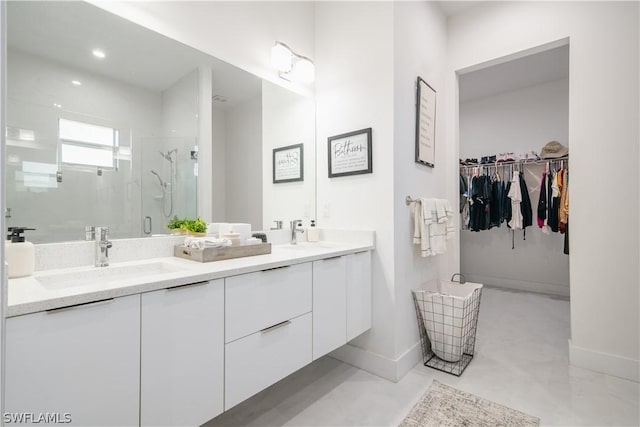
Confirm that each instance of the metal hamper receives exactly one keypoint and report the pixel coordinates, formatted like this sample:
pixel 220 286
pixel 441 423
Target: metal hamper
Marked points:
pixel 447 321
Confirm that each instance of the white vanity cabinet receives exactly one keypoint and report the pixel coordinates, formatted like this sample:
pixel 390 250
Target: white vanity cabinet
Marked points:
pixel 182 355
pixel 358 293
pixel 83 361
pixel 329 305
pixel 268 328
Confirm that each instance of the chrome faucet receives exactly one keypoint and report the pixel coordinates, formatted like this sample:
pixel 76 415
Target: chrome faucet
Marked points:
pixel 295 230
pixel 102 246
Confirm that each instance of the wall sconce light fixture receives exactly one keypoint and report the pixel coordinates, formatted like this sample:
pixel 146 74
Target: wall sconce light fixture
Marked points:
pixel 292 66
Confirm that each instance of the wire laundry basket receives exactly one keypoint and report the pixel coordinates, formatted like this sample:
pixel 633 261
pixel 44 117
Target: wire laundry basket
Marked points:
pixel 447 321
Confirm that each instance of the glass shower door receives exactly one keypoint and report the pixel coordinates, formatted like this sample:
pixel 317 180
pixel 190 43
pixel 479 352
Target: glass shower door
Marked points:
pixel 168 182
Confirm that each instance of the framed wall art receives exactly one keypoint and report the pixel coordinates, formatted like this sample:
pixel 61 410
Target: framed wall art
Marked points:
pixel 425 124
pixel 350 153
pixel 288 164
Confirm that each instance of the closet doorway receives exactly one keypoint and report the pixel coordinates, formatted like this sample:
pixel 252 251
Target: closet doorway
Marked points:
pixel 511 110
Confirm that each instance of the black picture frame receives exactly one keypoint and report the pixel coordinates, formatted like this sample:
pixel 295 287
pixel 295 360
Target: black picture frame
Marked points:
pixel 288 164
pixel 350 153
pixel 425 123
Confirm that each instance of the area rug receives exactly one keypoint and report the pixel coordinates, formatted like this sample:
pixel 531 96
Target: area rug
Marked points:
pixel 446 406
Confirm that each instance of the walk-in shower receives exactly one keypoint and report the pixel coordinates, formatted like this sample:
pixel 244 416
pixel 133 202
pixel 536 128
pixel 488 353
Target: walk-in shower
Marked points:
pixel 167 186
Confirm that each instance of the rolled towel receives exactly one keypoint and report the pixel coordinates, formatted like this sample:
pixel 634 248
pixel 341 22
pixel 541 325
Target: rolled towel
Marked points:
pixel 205 242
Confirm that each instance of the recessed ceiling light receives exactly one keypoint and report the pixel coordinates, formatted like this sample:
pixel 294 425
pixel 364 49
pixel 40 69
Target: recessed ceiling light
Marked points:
pixel 57 105
pixel 76 82
pixel 98 53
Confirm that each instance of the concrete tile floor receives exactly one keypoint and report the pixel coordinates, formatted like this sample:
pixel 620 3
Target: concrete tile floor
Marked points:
pixel 521 361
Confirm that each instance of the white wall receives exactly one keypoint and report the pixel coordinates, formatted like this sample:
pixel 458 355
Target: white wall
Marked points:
pixel 603 119
pixel 518 121
pixel 287 119
pixel 369 56
pixel 419 50
pixel 244 163
pixel 354 90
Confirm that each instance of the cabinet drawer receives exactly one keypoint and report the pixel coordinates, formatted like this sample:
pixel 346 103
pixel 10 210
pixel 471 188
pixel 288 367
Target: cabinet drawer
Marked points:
pixel 258 300
pixel 255 362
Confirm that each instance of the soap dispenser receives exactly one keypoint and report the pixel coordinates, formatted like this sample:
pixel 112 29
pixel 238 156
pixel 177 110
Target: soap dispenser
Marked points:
pixel 313 234
pixel 19 254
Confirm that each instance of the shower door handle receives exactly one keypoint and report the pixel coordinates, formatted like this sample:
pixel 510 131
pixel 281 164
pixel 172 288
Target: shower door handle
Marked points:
pixel 147 225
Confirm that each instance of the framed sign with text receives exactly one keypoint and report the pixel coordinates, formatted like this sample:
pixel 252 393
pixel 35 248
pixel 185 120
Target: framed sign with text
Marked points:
pixel 288 164
pixel 425 124
pixel 350 153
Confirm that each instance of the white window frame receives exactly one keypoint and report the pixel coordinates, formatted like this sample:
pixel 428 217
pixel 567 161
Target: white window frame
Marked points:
pixel 111 148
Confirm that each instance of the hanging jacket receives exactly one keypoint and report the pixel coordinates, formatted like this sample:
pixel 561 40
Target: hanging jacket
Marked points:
pixel 563 213
pixel 525 205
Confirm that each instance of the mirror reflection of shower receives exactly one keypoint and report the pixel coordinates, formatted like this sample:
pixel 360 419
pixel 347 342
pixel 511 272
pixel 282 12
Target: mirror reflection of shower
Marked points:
pixel 167 185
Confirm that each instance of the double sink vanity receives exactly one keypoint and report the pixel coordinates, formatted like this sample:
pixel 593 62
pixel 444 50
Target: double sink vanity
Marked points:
pixel 168 341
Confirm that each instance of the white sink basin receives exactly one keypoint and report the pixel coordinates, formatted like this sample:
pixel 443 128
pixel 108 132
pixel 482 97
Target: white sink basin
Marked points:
pixel 105 275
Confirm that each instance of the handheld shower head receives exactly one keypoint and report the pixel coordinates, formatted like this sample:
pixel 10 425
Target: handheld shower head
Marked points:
pixel 162 183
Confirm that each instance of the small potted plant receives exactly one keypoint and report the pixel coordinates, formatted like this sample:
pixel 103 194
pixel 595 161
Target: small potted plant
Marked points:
pixel 176 225
pixel 195 227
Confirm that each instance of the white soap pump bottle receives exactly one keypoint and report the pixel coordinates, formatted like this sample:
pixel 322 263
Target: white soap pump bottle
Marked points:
pixel 313 234
pixel 19 254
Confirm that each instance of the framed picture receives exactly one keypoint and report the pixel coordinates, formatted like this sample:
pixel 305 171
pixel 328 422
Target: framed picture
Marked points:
pixel 425 124
pixel 350 153
pixel 288 164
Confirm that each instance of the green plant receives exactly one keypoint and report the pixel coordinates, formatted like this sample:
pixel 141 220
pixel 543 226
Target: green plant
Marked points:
pixel 195 225
pixel 176 223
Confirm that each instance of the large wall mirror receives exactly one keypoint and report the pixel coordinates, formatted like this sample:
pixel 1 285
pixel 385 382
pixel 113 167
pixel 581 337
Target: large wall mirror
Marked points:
pixel 104 128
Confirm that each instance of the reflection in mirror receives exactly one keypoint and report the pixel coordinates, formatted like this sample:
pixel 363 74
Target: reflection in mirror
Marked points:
pixel 103 129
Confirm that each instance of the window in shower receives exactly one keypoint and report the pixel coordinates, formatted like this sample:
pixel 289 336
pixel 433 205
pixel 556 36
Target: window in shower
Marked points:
pixel 86 144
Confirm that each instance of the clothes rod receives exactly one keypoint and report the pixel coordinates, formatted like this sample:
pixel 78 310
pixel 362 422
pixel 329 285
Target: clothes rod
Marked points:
pixel 517 162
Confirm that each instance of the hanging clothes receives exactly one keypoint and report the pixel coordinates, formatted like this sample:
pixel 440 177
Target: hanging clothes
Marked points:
pixel 481 194
pixel 495 205
pixel 555 204
pixel 515 194
pixel 525 205
pixel 542 201
pixel 563 210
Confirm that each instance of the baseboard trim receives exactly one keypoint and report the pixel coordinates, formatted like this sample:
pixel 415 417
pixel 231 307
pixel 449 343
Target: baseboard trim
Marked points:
pixel 520 285
pixel 390 369
pixel 610 364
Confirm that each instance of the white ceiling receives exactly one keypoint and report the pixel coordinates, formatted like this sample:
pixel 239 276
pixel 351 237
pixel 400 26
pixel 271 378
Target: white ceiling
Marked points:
pixel 67 32
pixel 543 67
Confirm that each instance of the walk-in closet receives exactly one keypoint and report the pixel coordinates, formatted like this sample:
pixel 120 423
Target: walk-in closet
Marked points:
pixel 508 113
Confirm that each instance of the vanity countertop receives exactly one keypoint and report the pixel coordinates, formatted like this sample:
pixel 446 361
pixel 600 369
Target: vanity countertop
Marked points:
pixel 51 289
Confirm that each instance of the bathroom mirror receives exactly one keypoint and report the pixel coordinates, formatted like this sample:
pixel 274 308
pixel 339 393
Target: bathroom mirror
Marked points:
pixel 103 128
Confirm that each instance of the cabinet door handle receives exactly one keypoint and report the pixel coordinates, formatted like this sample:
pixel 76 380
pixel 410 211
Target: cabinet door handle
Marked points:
pixel 276 326
pixel 277 268
pixel 333 257
pixel 188 285
pixel 85 304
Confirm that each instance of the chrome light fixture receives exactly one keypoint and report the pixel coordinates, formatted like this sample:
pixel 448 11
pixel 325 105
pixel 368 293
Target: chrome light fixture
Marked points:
pixel 292 66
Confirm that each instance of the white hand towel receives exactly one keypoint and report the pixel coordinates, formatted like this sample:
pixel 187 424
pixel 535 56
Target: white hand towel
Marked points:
pixel 420 228
pixel 205 242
